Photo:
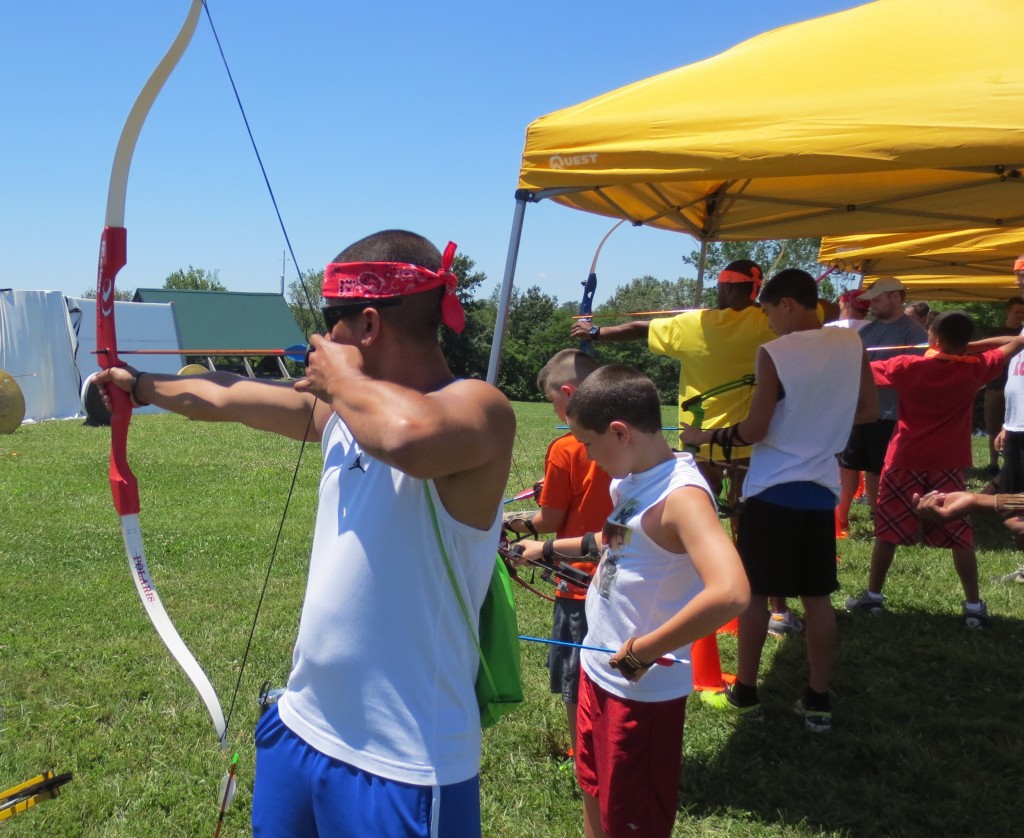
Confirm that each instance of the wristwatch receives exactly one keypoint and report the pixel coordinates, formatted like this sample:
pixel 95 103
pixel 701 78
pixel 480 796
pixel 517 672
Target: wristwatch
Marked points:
pixel 594 332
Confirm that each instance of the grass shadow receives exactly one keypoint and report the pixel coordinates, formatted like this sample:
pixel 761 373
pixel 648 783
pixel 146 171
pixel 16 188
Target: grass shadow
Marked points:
pixel 926 737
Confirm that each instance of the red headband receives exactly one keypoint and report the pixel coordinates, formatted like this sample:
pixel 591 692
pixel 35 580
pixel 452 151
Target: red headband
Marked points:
pixel 1019 264
pixel 728 277
pixel 380 280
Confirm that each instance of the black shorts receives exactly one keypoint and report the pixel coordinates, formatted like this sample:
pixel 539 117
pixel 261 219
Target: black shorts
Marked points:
pixel 788 552
pixel 1011 478
pixel 866 447
pixel 569 624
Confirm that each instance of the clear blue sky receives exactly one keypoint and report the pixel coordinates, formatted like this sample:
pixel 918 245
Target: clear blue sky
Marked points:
pixel 368 115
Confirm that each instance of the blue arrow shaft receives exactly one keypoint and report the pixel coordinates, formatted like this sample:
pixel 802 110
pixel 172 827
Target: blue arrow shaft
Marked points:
pixel 669 659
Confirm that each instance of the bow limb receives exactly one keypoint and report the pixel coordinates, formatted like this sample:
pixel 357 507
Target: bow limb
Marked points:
pixel 590 287
pixel 123 484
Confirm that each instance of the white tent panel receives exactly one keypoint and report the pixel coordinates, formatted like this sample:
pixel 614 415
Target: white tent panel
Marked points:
pixel 139 326
pixel 37 348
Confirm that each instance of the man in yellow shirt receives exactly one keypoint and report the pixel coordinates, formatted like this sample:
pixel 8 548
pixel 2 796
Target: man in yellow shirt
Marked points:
pixel 713 347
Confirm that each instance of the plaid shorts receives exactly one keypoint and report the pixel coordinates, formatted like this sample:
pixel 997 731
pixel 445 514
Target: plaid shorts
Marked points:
pixel 895 521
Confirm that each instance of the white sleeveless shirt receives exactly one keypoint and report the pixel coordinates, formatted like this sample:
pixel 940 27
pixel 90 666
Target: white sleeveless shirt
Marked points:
pixel 639 585
pixel 384 667
pixel 820 374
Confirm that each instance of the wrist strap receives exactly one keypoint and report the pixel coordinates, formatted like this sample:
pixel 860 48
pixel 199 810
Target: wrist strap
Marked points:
pixel 134 391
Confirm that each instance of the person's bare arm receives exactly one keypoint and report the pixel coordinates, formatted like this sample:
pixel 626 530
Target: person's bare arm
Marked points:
pixel 976 347
pixel 867 396
pixel 459 435
pixel 686 521
pixel 224 397
pixel 636 330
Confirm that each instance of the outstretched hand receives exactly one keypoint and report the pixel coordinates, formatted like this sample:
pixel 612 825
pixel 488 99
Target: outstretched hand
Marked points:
pixel 944 506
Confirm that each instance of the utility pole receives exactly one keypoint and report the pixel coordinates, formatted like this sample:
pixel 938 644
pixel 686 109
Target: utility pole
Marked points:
pixel 284 258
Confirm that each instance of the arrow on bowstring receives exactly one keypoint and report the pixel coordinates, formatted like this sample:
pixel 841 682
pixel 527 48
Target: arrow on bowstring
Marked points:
pixel 602 314
pixel 905 346
pixel 292 353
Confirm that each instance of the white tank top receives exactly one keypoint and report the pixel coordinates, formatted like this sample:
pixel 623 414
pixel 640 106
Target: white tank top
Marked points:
pixel 384 667
pixel 639 585
pixel 1014 392
pixel 820 375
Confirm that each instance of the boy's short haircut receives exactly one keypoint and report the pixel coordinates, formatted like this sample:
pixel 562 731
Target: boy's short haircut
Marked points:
pixel 1014 301
pixel 616 392
pixel 953 328
pixel 793 283
pixel 567 366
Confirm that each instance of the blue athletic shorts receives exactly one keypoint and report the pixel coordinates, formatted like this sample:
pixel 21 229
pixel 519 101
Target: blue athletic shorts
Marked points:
pixel 301 793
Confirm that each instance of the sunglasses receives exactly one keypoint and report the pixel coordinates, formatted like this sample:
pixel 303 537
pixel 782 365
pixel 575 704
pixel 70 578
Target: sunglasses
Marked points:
pixel 333 314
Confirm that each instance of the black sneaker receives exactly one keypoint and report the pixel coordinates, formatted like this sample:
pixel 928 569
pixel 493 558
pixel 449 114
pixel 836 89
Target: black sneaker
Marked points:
pixel 816 721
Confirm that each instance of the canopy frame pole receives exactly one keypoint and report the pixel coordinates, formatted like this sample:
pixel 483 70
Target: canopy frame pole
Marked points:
pixel 701 264
pixel 505 296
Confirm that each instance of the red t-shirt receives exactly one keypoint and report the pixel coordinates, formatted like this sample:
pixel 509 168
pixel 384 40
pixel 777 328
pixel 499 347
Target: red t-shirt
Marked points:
pixel 574 483
pixel 933 428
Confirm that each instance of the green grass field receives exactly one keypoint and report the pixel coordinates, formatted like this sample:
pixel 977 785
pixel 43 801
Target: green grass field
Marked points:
pixel 927 715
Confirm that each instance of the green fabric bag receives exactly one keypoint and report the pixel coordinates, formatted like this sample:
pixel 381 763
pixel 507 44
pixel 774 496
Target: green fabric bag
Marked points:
pixel 499 685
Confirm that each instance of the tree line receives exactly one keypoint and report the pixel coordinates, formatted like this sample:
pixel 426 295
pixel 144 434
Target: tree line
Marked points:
pixel 539 323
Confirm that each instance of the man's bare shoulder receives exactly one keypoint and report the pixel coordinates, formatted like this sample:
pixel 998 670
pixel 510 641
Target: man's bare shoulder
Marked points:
pixel 476 393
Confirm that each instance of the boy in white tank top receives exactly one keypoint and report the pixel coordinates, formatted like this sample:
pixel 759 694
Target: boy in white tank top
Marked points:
pixel 668 575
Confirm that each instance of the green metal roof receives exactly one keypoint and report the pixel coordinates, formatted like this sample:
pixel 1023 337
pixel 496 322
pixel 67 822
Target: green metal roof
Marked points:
pixel 228 320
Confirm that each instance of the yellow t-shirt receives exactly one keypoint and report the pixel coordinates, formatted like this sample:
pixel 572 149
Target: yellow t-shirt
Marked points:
pixel 713 347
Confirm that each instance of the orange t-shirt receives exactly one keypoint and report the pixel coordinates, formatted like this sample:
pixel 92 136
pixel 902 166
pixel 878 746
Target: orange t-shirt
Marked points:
pixel 574 483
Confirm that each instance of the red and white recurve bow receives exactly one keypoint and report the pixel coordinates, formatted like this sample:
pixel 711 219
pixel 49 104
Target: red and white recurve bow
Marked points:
pixel 123 484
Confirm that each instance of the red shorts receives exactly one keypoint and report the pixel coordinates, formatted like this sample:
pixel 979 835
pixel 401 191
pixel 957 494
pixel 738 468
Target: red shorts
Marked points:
pixel 628 756
pixel 895 521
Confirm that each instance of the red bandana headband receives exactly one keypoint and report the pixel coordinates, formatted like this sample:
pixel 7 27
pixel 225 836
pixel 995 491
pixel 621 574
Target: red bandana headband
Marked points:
pixel 380 280
pixel 727 277
pixel 1019 264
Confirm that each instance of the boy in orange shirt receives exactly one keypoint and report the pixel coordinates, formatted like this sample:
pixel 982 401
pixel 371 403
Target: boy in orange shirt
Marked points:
pixel 574 499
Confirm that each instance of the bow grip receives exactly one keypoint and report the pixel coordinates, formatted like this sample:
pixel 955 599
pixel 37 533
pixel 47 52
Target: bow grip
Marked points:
pixel 113 256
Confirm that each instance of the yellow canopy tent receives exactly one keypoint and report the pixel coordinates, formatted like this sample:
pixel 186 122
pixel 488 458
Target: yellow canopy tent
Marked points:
pixel 899 115
pixel 961 265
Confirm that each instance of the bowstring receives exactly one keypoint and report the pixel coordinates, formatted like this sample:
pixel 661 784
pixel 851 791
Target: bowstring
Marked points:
pixel 305 436
pixel 259 159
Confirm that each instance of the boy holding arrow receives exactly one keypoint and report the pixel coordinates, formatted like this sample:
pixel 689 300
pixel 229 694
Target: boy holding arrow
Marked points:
pixel 668 575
